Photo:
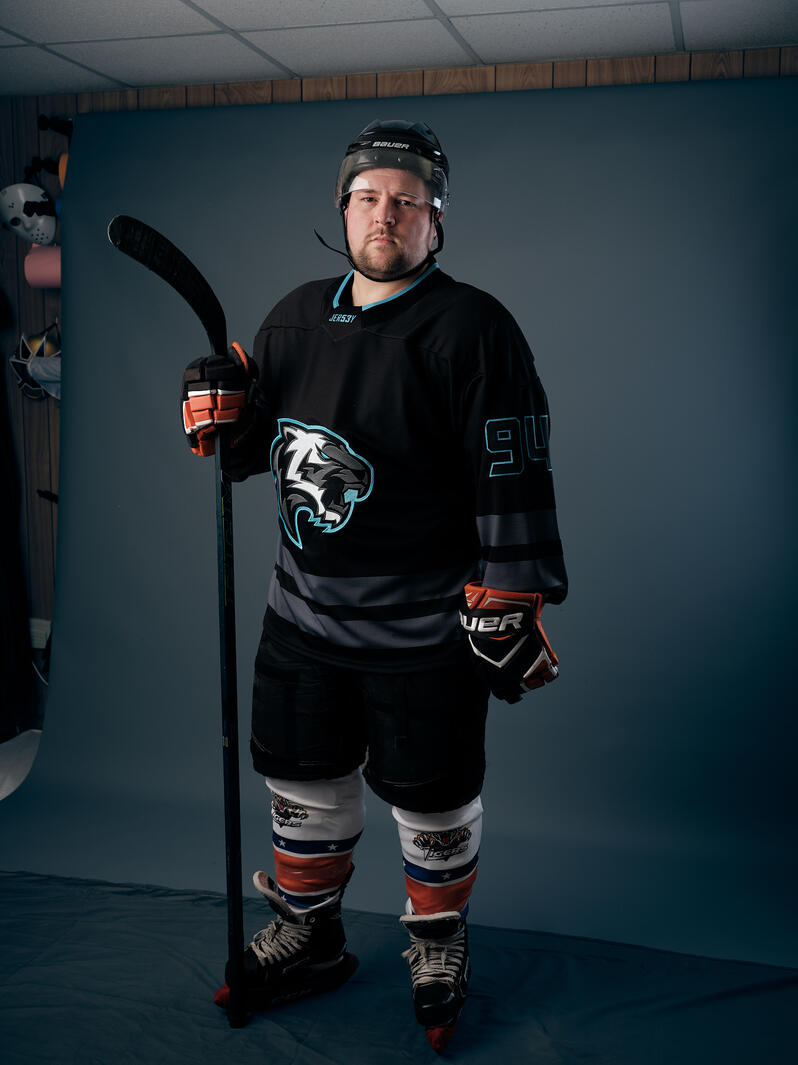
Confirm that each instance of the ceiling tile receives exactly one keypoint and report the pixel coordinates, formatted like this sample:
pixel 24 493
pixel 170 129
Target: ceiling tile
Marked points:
pixel 513 7
pixel 93 20
pixel 602 31
pixel 725 24
pixel 28 70
pixel 174 60
pixel 356 49
pixel 320 37
pixel 284 14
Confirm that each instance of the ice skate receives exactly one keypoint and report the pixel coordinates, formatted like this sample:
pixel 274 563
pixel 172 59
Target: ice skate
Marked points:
pixel 298 954
pixel 439 971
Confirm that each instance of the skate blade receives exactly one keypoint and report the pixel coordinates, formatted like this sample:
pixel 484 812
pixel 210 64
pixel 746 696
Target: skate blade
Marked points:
pixel 439 1038
pixel 259 999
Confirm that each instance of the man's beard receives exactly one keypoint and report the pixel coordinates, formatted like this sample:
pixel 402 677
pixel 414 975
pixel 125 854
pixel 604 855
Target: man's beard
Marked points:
pixel 390 268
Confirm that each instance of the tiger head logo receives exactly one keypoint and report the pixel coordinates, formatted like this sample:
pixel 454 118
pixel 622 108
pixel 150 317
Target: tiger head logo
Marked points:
pixel 441 846
pixel 287 814
pixel 316 474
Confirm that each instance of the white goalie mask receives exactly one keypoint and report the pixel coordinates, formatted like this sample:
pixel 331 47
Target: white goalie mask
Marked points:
pixel 29 212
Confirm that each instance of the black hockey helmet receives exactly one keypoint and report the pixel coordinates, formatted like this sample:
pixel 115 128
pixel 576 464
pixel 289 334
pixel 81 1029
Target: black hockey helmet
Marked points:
pixel 396 144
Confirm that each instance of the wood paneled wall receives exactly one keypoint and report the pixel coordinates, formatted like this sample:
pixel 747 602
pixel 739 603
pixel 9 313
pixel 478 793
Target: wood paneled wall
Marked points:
pixel 36 423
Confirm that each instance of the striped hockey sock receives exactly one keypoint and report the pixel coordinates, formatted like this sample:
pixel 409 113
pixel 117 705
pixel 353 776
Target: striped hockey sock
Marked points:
pixel 316 824
pixel 440 853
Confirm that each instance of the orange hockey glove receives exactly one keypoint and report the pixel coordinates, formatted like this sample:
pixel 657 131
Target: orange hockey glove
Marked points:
pixel 510 647
pixel 215 392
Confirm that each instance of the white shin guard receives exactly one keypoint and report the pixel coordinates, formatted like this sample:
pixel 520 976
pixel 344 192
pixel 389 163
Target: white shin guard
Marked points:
pixel 440 853
pixel 318 809
pixel 316 825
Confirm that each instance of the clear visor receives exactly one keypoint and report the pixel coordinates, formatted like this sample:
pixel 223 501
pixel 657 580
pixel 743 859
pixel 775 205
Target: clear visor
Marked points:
pixel 364 189
pixel 355 174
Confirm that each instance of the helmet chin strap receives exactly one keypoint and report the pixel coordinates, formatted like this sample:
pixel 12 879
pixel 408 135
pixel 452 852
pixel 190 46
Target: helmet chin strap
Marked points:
pixel 438 234
pixel 337 251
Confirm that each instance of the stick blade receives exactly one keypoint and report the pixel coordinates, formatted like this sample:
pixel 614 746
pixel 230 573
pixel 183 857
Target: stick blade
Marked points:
pixel 117 227
pixel 155 251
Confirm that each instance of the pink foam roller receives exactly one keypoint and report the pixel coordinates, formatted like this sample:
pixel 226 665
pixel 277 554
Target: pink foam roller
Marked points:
pixel 43 266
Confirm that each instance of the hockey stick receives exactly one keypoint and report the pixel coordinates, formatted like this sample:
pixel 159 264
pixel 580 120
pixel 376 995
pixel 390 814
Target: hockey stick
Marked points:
pixel 150 248
pixel 153 250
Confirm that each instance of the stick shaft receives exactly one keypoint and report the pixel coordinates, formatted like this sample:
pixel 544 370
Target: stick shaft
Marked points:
pixel 232 797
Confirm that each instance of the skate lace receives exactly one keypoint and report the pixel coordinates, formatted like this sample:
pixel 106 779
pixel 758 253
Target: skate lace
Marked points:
pixel 280 940
pixel 434 960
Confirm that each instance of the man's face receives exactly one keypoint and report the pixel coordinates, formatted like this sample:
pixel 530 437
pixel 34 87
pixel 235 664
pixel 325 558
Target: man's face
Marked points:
pixel 389 223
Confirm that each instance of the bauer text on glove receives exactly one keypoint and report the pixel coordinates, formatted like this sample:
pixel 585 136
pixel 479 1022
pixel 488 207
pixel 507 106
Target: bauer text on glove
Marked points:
pixel 511 650
pixel 215 392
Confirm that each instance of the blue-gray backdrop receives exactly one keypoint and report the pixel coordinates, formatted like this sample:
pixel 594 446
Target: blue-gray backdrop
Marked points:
pixel 644 237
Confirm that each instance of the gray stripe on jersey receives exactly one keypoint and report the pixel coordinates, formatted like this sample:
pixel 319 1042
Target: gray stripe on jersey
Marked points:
pixel 395 634
pixel 503 530
pixel 531 575
pixel 374 591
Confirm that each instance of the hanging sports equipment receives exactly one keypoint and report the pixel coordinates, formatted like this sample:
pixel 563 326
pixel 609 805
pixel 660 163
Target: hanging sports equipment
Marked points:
pixel 43 266
pixel 37 363
pixel 29 212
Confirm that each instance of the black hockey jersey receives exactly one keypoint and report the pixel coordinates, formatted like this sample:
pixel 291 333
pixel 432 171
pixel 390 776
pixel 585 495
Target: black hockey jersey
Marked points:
pixel 408 442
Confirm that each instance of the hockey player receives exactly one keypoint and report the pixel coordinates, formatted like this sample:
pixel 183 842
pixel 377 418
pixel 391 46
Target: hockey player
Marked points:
pixel 406 430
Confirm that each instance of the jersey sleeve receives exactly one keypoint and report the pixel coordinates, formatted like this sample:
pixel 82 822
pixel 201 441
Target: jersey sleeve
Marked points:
pixel 506 428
